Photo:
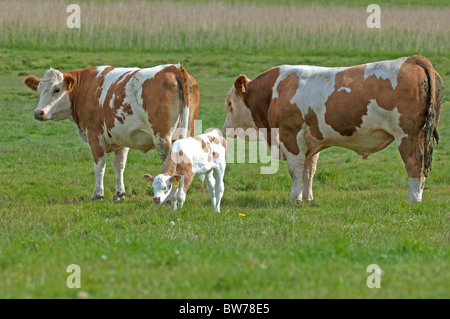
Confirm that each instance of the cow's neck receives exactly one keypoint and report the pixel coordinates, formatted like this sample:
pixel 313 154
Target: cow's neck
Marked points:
pixel 83 93
pixel 259 97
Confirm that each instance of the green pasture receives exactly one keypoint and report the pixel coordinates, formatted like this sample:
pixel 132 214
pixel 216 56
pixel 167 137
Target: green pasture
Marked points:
pixel 258 246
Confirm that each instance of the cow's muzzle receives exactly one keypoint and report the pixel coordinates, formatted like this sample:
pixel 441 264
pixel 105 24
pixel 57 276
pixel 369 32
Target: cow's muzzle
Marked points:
pixel 157 200
pixel 39 115
pixel 228 132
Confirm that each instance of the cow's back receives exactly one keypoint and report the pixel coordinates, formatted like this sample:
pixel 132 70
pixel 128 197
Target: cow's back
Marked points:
pixel 355 107
pixel 137 108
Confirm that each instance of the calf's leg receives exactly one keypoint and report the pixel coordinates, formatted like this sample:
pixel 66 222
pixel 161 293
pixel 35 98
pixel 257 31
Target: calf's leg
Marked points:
pixel 219 187
pixel 210 183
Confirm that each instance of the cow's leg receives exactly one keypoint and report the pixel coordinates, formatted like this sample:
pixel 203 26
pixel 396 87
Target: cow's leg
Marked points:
pixel 210 183
pixel 295 166
pixel 120 160
pixel 219 187
pixel 308 175
pixel 411 151
pixel 99 170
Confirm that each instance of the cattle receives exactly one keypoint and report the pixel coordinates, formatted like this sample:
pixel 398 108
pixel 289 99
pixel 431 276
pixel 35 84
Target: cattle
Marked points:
pixel 363 108
pixel 118 108
pixel 201 156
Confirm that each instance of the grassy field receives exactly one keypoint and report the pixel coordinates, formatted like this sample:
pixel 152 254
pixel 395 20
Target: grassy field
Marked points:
pixel 134 249
pixel 229 26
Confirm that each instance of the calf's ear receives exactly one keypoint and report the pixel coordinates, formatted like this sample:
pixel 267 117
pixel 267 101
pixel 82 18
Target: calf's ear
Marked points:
pixel 175 177
pixel 69 82
pixel 241 83
pixel 149 178
pixel 32 82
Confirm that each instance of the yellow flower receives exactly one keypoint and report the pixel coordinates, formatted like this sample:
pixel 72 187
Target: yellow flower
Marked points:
pixel 240 214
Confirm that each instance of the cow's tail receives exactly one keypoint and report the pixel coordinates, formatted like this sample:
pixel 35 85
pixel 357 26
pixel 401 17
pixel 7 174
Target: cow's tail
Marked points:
pixel 433 113
pixel 185 96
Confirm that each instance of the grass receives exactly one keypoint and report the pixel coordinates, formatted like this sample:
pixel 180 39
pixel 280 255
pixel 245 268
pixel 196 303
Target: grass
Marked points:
pixel 233 26
pixel 134 249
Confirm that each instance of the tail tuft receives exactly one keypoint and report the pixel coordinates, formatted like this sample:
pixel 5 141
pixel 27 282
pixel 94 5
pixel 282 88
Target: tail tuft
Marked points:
pixel 432 119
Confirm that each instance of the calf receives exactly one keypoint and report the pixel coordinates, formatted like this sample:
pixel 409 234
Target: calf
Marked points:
pixel 199 156
pixel 363 108
pixel 120 108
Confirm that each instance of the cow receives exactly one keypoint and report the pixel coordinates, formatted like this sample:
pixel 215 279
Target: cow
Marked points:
pixel 363 108
pixel 201 156
pixel 117 108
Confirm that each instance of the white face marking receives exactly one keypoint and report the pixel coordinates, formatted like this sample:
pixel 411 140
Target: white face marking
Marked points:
pixel 240 119
pixel 385 70
pixel 162 187
pixel 54 100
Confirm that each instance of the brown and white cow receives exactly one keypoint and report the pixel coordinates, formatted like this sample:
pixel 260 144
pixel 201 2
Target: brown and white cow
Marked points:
pixel 120 108
pixel 363 108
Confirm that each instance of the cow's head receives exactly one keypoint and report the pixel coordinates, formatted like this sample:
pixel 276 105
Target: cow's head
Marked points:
pixel 162 186
pixel 239 117
pixel 53 88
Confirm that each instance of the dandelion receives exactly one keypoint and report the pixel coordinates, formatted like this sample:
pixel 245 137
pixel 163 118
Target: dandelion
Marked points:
pixel 172 223
pixel 240 214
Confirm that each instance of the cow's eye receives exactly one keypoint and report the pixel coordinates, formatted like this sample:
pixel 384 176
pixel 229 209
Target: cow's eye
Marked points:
pixel 229 107
pixel 56 91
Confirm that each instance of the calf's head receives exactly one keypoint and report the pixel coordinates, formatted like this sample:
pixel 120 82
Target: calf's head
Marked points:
pixel 239 121
pixel 53 88
pixel 162 186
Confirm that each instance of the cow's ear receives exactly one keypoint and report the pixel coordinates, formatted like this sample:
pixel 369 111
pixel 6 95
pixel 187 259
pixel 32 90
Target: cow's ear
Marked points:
pixel 149 178
pixel 32 82
pixel 69 82
pixel 241 83
pixel 175 178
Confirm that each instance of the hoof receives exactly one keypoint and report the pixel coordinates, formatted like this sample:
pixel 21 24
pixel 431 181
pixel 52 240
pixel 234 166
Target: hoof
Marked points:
pixel 97 197
pixel 119 196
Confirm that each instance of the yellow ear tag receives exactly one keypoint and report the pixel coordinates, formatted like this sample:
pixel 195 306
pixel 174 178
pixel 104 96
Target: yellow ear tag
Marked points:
pixel 176 183
pixel 70 85
pixel 149 184
pixel 243 88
